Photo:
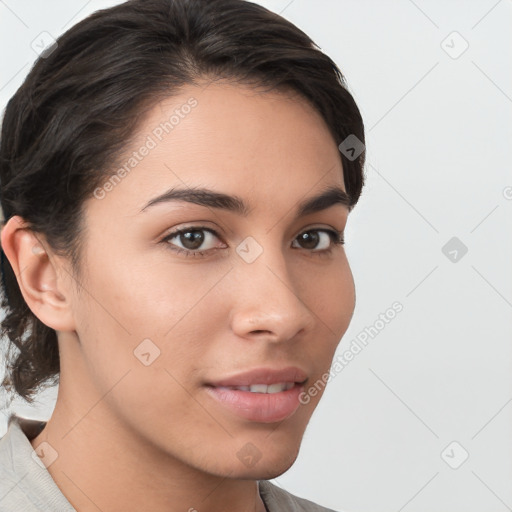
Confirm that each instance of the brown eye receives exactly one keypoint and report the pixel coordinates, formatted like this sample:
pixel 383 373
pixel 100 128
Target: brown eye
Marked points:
pixel 198 239
pixel 309 240
pixel 191 239
pixel 319 239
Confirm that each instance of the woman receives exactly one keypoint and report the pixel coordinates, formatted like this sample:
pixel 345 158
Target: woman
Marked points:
pixel 176 176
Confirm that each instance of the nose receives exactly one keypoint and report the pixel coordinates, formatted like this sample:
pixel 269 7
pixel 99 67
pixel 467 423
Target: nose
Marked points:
pixel 267 302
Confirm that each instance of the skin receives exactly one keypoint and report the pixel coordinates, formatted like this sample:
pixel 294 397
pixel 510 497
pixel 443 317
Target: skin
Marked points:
pixel 133 437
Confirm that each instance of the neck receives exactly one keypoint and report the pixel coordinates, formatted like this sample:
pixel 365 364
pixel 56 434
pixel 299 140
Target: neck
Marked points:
pixel 101 465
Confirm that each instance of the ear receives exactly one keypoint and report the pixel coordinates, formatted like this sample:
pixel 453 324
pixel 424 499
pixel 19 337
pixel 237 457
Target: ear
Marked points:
pixel 45 286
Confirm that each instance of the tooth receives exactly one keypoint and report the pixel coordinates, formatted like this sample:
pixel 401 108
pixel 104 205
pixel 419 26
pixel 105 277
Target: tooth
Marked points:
pixel 262 388
pixel 258 388
pixel 276 388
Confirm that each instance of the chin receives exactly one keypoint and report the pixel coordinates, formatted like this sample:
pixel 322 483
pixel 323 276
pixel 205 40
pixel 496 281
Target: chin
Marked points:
pixel 267 467
pixel 272 472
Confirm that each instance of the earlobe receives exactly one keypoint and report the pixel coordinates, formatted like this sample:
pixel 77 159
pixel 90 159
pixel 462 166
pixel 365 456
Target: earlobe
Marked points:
pixel 37 273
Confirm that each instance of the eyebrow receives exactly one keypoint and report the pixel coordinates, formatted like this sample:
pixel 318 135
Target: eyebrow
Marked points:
pixel 205 197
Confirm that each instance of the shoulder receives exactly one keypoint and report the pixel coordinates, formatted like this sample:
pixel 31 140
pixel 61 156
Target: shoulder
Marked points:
pixel 279 500
pixel 25 484
pixel 11 473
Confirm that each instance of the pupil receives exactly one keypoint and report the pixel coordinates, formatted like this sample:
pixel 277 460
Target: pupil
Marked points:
pixel 192 239
pixel 310 239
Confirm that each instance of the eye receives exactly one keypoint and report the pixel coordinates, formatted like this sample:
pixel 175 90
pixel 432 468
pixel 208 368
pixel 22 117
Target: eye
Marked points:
pixel 191 240
pixel 320 240
pixel 198 241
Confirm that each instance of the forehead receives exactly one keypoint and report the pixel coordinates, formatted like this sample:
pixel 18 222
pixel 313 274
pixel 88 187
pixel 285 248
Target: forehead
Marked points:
pixel 232 138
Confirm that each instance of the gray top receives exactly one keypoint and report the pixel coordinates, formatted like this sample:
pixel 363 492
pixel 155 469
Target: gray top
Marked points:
pixel 27 486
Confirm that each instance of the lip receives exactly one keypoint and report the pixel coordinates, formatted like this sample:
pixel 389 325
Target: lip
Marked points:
pixel 260 407
pixel 263 376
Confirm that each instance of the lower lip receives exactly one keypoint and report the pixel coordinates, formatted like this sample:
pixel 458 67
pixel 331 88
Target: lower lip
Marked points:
pixel 260 407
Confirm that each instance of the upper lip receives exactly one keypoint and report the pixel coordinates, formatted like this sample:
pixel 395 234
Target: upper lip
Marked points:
pixel 263 376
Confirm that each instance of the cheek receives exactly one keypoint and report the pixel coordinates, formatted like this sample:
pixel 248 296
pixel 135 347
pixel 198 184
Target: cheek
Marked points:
pixel 330 295
pixel 331 298
pixel 146 347
pixel 139 313
pixel 143 345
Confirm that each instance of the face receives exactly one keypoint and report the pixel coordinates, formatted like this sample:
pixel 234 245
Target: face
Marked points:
pixel 186 295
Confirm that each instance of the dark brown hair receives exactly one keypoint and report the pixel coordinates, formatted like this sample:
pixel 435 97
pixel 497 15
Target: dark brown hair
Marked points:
pixel 82 101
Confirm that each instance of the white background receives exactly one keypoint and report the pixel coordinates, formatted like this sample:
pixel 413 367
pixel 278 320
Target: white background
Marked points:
pixel 439 132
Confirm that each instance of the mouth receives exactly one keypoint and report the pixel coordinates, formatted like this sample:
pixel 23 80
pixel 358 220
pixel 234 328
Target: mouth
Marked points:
pixel 262 388
pixel 261 395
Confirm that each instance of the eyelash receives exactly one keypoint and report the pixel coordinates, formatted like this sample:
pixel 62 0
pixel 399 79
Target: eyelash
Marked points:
pixel 335 236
